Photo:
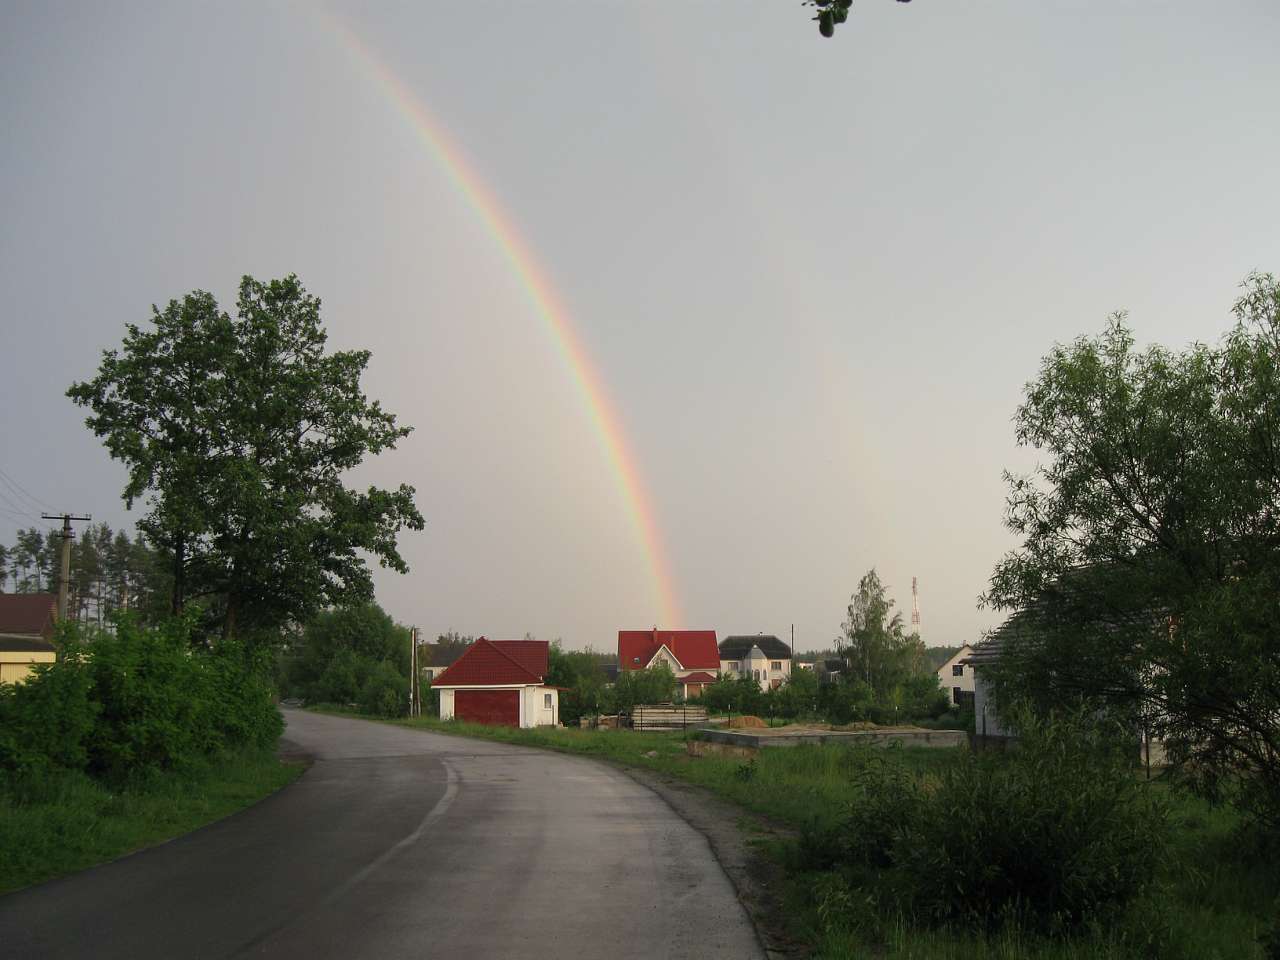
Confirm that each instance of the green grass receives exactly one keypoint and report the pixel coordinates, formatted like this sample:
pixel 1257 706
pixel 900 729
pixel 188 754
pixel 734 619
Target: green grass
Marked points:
pixel 76 822
pixel 1214 899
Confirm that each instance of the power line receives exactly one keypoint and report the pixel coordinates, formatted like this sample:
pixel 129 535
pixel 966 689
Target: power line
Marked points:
pixel 22 491
pixel 14 508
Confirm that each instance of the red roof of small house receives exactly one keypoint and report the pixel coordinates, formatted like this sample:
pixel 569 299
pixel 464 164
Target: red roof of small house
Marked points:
pixel 497 663
pixel 28 614
pixel 696 678
pixel 695 649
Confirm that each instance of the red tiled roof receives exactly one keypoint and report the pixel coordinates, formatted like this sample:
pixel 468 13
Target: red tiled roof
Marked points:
pixel 28 614
pixel 496 662
pixel 695 649
pixel 696 678
pixel 530 654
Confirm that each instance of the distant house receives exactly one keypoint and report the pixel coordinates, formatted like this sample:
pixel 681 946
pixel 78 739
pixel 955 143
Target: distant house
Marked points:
pixel 956 677
pixel 26 633
pixel 438 658
pixel 692 655
pixel 764 658
pixel 986 720
pixel 501 683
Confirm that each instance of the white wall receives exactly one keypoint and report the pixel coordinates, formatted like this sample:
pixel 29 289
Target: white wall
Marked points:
pixel 949 681
pixel 986 721
pixel 534 712
pixel 756 663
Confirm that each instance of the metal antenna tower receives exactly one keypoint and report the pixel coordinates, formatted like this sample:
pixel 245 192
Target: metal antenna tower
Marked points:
pixel 915 608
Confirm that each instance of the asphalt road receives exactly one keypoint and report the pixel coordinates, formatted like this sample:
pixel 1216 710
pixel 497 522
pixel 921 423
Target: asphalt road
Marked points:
pixel 398 843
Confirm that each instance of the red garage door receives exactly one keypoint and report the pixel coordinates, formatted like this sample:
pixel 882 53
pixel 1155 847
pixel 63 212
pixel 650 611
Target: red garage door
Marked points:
pixel 496 707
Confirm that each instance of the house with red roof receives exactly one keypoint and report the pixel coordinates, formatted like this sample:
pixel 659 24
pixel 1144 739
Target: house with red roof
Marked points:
pixel 501 683
pixel 692 655
pixel 26 633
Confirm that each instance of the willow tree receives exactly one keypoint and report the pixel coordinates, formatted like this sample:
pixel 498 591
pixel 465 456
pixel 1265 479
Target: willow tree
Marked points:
pixel 237 433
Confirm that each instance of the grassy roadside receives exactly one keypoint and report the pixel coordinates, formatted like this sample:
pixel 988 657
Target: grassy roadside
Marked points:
pixel 1213 902
pixel 77 822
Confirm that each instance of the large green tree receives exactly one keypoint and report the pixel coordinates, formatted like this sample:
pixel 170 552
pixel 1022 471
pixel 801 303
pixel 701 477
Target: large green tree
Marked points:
pixel 237 432
pixel 1148 579
pixel 873 642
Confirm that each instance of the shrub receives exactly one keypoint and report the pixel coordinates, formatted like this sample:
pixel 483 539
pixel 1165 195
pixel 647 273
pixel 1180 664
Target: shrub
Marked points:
pixel 384 693
pixel 1052 836
pixel 132 701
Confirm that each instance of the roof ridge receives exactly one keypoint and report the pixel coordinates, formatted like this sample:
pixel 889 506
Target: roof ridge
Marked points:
pixel 497 649
pixel 494 644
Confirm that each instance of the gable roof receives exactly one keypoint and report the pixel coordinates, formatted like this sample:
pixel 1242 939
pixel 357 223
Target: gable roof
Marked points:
pixel 496 663
pixel 28 614
pixel 963 653
pixel 695 649
pixel 737 648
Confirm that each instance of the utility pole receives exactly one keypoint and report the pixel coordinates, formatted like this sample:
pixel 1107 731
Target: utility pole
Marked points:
pixel 915 608
pixel 413 671
pixel 64 582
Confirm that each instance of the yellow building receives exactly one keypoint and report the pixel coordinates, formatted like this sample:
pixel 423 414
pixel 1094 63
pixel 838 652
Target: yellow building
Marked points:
pixel 26 633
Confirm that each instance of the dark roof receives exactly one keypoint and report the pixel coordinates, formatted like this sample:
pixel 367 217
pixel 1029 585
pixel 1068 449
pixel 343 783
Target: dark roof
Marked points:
pixel 833 666
pixel 737 648
pixel 23 644
pixel 694 649
pixel 497 663
pixel 442 655
pixel 28 614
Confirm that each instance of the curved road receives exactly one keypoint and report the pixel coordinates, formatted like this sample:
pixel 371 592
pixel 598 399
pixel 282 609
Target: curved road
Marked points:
pixel 399 843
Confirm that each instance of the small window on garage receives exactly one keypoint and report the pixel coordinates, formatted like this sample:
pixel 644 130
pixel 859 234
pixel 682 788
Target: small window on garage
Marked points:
pixel 546 700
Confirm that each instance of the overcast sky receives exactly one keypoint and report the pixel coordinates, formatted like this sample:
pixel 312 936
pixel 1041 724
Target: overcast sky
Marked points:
pixel 813 275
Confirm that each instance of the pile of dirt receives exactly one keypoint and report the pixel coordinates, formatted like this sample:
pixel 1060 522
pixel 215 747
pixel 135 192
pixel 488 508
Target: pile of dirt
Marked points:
pixel 747 721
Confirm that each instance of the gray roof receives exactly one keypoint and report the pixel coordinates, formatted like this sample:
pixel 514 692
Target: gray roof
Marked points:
pixel 737 648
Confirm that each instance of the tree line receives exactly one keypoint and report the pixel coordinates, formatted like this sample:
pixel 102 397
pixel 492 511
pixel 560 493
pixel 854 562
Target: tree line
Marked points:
pixel 109 570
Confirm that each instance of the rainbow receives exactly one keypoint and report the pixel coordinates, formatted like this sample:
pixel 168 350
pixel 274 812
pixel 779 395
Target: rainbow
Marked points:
pixel 544 300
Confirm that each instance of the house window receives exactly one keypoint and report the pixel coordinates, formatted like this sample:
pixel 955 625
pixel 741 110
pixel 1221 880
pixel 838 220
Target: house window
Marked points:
pixel 429 674
pixel 775 665
pixel 755 674
pixel 957 670
pixel 733 665
pixel 546 701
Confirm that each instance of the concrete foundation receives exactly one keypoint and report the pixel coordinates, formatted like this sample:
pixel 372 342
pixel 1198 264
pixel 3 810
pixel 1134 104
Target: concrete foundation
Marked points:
pixel 792 736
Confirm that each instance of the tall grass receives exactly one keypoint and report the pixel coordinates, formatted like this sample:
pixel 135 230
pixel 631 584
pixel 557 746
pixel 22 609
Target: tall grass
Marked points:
pixel 74 822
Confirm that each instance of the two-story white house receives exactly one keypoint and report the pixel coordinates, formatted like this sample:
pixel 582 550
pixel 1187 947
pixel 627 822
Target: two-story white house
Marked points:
pixel 957 677
pixel 764 658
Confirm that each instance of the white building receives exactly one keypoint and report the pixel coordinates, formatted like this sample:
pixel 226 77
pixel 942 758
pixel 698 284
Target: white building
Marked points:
pixel 500 682
pixel 957 678
pixel 764 658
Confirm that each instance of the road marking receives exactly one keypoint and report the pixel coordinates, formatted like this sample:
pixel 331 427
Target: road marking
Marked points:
pixel 434 814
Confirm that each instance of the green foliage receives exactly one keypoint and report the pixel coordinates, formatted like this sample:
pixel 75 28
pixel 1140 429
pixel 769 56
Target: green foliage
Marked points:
pixel 351 655
pixel 582 682
pixel 237 432
pixel 1148 580
pixel 653 685
pixel 133 701
pixel 1052 837
pixel 832 13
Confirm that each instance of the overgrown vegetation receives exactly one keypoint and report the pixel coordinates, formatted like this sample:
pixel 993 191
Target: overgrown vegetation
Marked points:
pixel 1148 579
pixel 355 656
pixel 131 702
pixel 135 734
